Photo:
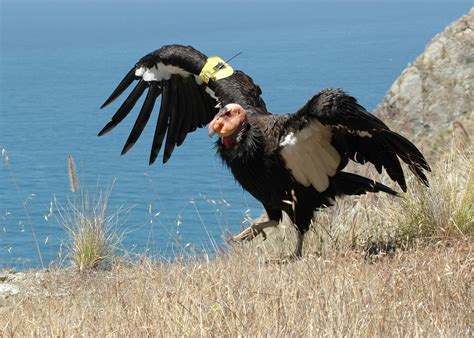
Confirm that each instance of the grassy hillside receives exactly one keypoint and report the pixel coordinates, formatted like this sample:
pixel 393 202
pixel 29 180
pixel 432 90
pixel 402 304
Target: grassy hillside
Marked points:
pixel 423 291
pixel 373 265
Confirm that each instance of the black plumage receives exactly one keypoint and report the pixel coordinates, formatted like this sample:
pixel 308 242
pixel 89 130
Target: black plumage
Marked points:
pixel 143 116
pixel 291 163
pixel 125 108
pixel 162 122
pixel 123 85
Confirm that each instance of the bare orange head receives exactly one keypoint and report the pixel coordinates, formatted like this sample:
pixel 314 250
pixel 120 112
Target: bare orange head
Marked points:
pixel 228 120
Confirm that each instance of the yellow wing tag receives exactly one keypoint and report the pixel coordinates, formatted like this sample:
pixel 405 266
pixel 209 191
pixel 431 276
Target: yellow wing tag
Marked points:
pixel 215 69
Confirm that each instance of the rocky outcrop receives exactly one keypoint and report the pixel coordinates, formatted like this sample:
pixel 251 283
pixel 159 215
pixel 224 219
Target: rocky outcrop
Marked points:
pixel 435 92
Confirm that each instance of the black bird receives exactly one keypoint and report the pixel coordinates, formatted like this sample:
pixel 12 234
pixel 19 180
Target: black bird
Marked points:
pixel 293 162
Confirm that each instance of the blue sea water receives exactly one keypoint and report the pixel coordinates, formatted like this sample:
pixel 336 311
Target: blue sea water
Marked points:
pixel 61 59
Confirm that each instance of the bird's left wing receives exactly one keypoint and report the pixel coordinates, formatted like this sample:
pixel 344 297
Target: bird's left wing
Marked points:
pixel 332 128
pixel 192 86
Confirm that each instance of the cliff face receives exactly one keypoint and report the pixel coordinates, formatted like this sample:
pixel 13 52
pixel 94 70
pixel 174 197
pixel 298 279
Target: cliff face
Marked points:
pixel 435 92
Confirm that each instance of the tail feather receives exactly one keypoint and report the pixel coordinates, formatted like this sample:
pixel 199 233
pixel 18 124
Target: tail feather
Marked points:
pixel 409 154
pixel 353 184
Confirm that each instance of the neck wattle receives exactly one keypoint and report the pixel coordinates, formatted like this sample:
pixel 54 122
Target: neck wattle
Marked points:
pixel 228 142
pixel 231 140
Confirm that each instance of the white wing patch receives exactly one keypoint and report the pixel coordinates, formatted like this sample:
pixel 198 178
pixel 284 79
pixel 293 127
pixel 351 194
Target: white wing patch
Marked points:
pixel 310 156
pixel 160 72
pixel 361 133
pixel 163 72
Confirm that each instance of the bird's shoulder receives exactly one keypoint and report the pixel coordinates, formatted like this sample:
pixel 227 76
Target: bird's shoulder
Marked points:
pixel 271 127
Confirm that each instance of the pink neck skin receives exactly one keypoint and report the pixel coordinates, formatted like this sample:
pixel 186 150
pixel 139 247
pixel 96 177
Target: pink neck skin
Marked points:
pixel 231 140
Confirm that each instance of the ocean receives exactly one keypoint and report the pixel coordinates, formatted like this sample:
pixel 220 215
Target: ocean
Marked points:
pixel 61 59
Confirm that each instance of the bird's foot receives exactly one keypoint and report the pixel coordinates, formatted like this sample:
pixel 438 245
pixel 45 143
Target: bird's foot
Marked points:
pixel 296 255
pixel 249 234
pixel 253 231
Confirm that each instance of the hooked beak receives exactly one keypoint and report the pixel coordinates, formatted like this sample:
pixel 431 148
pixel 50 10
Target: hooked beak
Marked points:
pixel 210 130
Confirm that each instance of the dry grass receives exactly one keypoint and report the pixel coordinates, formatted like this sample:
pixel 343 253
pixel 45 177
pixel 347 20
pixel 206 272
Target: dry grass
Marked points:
pixel 335 290
pixel 424 292
pixel 92 233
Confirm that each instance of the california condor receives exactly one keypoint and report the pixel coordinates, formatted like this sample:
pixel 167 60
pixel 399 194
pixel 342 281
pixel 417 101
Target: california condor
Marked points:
pixel 292 163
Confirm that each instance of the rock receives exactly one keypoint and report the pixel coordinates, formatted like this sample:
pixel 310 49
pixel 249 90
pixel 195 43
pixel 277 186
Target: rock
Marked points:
pixel 8 290
pixel 435 92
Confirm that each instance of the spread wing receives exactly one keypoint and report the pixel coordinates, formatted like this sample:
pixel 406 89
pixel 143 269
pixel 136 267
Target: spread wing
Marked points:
pixel 332 128
pixel 187 103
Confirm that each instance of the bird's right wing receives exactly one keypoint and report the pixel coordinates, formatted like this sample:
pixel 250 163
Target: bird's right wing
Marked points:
pixel 192 90
pixel 332 128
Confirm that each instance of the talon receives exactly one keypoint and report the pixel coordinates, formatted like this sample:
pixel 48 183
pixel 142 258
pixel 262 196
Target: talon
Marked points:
pixel 253 231
pixel 248 234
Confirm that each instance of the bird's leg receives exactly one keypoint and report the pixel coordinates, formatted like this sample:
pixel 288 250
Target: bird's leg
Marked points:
pixel 297 254
pixel 299 245
pixel 252 231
